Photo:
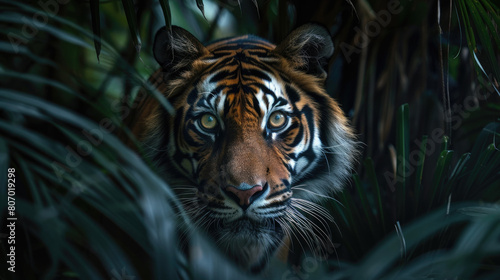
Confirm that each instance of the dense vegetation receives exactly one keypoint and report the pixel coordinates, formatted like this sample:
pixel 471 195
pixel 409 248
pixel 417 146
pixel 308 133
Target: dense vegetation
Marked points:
pixel 418 79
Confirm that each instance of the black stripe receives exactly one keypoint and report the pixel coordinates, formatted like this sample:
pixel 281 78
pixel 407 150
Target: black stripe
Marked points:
pixel 275 194
pixel 256 106
pixel 280 102
pixel 293 95
pixel 223 74
pixel 255 73
pixel 193 95
pixel 268 91
pixel 300 135
pixel 275 204
pixel 285 182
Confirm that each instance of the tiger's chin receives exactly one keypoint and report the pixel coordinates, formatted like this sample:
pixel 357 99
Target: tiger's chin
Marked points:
pixel 247 242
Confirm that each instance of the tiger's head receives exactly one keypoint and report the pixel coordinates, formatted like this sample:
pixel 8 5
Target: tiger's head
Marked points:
pixel 254 141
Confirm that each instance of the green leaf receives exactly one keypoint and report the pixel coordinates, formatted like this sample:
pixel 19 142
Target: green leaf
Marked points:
pixel 201 7
pixel 57 32
pixel 96 25
pixel 402 151
pixel 30 179
pixel 458 172
pixel 471 40
pixel 420 171
pixel 372 176
pixel 165 7
pixel 41 80
pixel 378 262
pixel 365 205
pixel 481 211
pixel 482 31
pixel 23 50
pixel 256 7
pixel 445 143
pixel 128 7
pixel 484 148
pixel 493 10
pixel 485 16
pixel 440 175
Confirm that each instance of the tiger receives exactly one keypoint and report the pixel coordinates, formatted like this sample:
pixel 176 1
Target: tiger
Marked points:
pixel 253 142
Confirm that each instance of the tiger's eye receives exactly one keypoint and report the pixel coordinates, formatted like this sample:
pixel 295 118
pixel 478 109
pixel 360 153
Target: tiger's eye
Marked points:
pixel 277 120
pixel 208 121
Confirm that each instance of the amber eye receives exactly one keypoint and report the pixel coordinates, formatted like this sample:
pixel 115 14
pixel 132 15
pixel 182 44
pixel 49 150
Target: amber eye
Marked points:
pixel 277 120
pixel 208 121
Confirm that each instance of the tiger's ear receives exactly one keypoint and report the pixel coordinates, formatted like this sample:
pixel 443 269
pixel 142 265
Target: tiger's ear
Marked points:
pixel 308 48
pixel 176 48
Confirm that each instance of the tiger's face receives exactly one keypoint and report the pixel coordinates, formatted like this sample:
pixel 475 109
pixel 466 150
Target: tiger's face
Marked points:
pixel 253 142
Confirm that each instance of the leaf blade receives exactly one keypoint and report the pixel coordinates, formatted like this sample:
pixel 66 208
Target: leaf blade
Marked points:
pixel 129 9
pixel 96 25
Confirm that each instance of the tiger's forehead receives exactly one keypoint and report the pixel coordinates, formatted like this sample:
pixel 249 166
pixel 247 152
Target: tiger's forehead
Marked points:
pixel 240 72
pixel 247 42
pixel 208 88
pixel 259 97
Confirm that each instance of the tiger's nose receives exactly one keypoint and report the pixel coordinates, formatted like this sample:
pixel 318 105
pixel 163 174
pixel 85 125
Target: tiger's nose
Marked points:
pixel 244 194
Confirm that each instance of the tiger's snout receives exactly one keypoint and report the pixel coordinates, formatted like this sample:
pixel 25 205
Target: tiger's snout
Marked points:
pixel 245 194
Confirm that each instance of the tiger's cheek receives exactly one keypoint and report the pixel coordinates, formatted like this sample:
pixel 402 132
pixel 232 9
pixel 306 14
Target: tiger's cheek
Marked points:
pixel 278 174
pixel 208 177
pixel 200 165
pixel 189 149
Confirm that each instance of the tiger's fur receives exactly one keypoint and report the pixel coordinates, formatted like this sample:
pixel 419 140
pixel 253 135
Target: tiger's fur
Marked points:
pixel 239 82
